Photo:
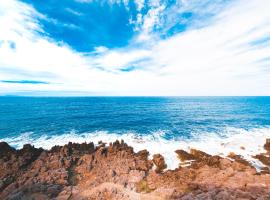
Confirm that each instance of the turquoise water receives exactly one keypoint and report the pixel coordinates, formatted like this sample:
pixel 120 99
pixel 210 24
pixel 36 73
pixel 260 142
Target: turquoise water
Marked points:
pixel 175 116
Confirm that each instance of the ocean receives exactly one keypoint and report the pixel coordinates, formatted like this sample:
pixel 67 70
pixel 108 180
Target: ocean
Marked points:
pixel 217 125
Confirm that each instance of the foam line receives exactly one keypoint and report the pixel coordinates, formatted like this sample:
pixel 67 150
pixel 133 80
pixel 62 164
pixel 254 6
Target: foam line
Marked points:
pixel 239 141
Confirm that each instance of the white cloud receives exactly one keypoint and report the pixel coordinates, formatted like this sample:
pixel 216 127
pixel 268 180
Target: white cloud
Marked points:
pixel 35 56
pixel 146 23
pixel 217 59
pixel 115 60
pixel 140 4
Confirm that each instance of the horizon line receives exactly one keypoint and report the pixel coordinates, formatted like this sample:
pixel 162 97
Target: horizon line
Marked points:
pixel 82 96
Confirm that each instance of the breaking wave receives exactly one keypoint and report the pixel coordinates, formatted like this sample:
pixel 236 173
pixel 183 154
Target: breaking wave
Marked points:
pixel 243 142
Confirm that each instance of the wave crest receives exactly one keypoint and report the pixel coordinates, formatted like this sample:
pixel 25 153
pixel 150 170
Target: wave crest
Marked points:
pixel 243 142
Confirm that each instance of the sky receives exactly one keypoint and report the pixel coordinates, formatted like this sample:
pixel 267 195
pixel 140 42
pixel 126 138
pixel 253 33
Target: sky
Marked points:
pixel 135 47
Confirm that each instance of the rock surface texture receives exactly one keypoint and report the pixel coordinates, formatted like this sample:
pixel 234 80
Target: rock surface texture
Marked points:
pixel 115 171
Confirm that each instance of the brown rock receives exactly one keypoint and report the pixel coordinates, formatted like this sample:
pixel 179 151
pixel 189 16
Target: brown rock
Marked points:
pixel 200 155
pixel 184 156
pixel 159 161
pixel 239 159
pixel 143 154
pixel 267 145
pixel 5 149
pixel 82 171
pixel 265 159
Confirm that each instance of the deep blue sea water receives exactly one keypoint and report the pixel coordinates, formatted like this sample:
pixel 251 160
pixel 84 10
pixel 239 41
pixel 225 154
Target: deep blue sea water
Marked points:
pixel 176 116
pixel 55 120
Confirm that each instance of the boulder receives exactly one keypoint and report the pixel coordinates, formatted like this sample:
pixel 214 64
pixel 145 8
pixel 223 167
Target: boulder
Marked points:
pixel 159 162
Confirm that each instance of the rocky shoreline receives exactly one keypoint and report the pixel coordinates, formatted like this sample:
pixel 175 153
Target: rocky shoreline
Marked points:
pixel 115 171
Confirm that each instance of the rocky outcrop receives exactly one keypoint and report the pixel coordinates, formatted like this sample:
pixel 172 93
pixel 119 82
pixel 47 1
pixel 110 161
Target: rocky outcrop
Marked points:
pixel 184 156
pixel 159 162
pixel 115 171
pixel 267 145
pixel 265 157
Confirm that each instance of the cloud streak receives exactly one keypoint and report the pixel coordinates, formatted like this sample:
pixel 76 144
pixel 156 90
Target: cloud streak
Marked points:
pixel 23 82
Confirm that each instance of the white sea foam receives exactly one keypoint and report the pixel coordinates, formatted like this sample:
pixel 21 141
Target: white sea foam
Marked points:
pixel 231 140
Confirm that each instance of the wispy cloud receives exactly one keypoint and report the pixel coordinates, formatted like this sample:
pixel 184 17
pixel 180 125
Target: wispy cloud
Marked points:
pixel 24 82
pixel 219 48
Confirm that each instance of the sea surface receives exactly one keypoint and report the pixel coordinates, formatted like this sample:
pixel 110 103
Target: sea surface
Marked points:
pixel 217 125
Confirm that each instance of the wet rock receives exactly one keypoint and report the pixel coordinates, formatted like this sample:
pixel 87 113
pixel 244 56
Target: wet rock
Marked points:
pixel 239 159
pixel 184 156
pixel 267 145
pixel 198 158
pixel 200 155
pixel 159 162
pixel 265 159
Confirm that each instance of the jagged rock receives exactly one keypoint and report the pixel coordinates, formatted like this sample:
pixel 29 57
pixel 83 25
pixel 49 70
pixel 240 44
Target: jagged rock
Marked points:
pixel 143 154
pixel 199 154
pixel 159 161
pixel 184 156
pixel 83 171
pixel 5 149
pixel 198 157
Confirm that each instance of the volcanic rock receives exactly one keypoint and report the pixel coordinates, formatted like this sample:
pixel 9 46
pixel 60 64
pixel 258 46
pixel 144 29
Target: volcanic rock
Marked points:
pixel 159 161
pixel 83 171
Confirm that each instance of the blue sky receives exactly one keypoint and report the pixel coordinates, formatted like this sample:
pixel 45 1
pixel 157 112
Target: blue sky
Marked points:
pixel 139 47
pixel 85 25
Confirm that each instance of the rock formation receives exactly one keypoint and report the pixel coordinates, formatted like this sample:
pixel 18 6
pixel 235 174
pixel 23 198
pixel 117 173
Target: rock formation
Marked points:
pixel 85 171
